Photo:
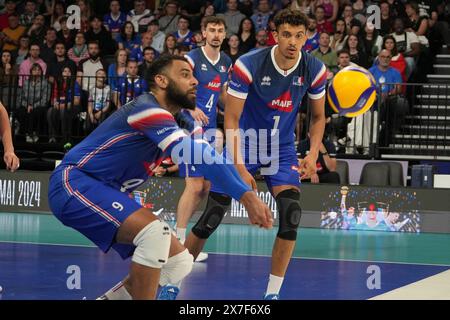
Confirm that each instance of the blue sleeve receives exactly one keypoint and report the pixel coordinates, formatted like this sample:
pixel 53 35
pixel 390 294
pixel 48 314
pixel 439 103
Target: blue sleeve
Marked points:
pixel 241 77
pixel 317 78
pixel 214 167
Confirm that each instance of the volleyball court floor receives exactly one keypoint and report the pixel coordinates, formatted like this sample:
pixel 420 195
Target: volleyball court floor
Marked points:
pixel 42 259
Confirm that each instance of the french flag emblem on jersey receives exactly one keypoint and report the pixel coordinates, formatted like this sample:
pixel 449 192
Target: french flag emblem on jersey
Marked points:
pixel 222 69
pixel 297 81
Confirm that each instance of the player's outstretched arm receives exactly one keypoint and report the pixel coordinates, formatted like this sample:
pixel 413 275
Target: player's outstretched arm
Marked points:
pixel 10 158
pixel 214 167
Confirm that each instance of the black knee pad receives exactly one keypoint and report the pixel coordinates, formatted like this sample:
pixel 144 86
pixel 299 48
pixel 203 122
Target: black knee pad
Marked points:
pixel 290 213
pixel 214 212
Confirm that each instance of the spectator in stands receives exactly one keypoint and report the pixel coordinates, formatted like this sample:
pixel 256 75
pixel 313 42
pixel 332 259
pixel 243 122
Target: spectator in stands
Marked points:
pixel 80 50
pixel 394 105
pixel 233 48
pixel 359 10
pixel 10 36
pixel 99 101
pixel 38 30
pixel 417 24
pixel 344 59
pixel 261 40
pixel 408 44
pixel 356 50
pixel 355 27
pixel 324 52
pixel 140 16
pixel 261 17
pixel 397 61
pixel 26 19
pixel 312 35
pixel 194 9
pixel 340 35
pixel 25 67
pixel 168 22
pixel 232 17
pixel 247 35
pixel 371 42
pixel 158 36
pixel 114 19
pixel 59 11
pixel 66 35
pixel 129 87
pixel 181 50
pixel 8 75
pixel 330 7
pixel 98 33
pixel 347 15
pixel 322 24
pixel 271 32
pixel 21 53
pixel 183 34
pixel 149 57
pixel 326 162
pixel 117 70
pixel 48 46
pixel 305 6
pixel 85 9
pixel 387 19
pixel 10 8
pixel 89 66
pixel 10 158
pixel 169 44
pixel 65 104
pixel 246 7
pixel 199 41
pixel 34 103
pixel 61 61
pixel 438 22
pixel 128 38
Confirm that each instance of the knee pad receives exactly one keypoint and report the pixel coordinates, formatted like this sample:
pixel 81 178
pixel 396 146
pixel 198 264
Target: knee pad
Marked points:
pixel 152 245
pixel 290 213
pixel 212 216
pixel 176 268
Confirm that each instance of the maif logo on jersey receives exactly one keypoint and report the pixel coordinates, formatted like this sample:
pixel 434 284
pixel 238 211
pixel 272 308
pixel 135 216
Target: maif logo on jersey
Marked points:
pixel 297 81
pixel 214 84
pixel 282 103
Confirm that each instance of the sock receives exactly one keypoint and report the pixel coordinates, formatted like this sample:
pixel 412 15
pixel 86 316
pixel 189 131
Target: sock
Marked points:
pixel 274 285
pixel 181 234
pixel 118 292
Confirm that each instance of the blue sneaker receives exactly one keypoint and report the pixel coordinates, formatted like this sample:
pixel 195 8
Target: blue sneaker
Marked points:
pixel 272 296
pixel 168 292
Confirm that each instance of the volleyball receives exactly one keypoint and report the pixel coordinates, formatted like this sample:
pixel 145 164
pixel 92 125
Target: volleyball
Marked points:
pixel 352 91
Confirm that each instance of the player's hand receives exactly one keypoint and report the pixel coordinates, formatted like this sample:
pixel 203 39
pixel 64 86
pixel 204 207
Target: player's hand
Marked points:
pixel 258 212
pixel 315 178
pixel 308 166
pixel 199 116
pixel 12 161
pixel 248 179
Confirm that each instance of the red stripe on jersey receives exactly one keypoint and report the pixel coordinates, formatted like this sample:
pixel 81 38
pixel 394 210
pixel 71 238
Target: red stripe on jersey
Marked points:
pixel 319 81
pixel 241 74
pixel 152 120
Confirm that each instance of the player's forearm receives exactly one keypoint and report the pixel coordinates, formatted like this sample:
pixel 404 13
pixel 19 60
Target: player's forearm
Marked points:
pixel 233 138
pixel 5 131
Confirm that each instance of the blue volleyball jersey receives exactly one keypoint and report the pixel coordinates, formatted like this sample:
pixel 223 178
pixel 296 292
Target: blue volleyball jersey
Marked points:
pixel 128 145
pixel 272 95
pixel 211 78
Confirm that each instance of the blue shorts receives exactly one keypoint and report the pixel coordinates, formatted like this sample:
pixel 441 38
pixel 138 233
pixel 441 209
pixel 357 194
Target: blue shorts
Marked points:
pixel 91 207
pixel 284 172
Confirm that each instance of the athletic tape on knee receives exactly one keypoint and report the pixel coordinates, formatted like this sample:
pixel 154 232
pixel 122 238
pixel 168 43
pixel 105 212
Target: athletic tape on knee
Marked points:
pixel 176 268
pixel 290 213
pixel 152 245
pixel 212 216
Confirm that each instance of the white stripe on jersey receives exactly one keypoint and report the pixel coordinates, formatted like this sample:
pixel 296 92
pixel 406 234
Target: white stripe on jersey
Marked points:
pixel 237 94
pixel 164 144
pixel 190 60
pixel 317 95
pixel 147 113
pixel 319 75
pixel 244 70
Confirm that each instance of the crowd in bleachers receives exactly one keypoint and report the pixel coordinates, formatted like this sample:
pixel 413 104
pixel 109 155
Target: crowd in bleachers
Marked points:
pixel 54 77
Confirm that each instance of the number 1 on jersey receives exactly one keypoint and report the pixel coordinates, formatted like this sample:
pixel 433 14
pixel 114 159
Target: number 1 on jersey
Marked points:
pixel 210 103
pixel 276 120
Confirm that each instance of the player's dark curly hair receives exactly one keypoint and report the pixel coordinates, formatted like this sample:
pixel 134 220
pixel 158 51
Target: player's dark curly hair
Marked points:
pixel 158 67
pixel 292 17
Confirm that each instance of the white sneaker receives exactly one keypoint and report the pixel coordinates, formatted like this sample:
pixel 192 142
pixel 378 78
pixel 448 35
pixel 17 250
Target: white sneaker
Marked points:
pixel 28 139
pixel 202 256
